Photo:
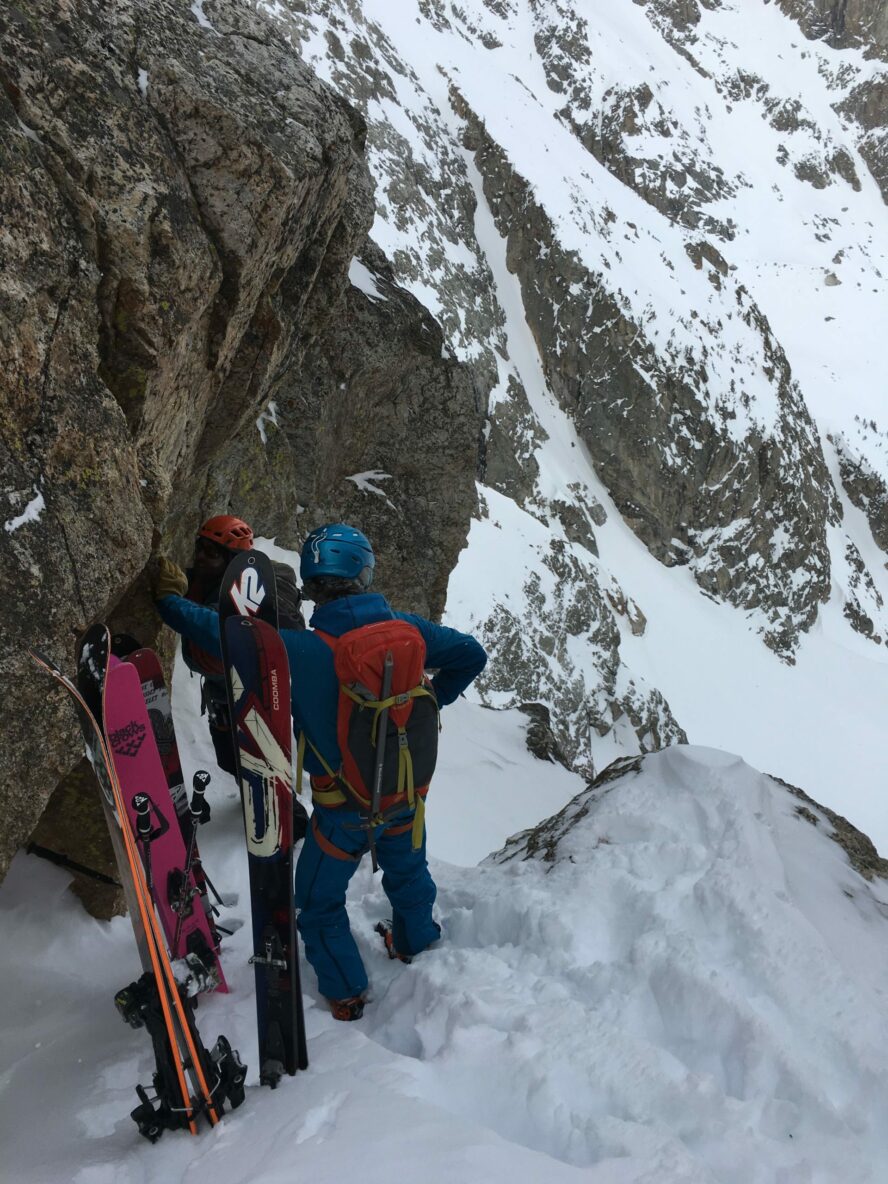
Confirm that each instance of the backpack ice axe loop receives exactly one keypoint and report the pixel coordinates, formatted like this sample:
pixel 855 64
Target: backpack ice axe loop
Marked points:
pixel 379 740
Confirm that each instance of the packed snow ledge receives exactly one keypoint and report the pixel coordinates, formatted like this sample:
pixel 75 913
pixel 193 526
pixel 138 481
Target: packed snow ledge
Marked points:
pixel 677 978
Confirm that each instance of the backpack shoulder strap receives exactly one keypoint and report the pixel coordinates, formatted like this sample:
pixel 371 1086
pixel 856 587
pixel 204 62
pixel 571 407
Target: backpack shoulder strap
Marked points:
pixel 303 739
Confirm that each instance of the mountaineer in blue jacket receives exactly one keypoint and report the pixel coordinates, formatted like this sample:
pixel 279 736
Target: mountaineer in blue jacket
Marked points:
pixel 336 567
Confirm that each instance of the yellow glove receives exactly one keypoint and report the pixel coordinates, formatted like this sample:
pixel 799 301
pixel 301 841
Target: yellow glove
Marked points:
pixel 168 579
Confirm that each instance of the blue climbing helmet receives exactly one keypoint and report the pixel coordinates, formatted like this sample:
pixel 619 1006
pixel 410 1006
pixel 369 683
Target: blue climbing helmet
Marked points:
pixel 337 550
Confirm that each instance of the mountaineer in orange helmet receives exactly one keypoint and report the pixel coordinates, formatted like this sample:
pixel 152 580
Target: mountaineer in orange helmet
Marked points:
pixel 218 540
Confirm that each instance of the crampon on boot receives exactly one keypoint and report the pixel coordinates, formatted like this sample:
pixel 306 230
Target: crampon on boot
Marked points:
pixel 347 1009
pixel 384 929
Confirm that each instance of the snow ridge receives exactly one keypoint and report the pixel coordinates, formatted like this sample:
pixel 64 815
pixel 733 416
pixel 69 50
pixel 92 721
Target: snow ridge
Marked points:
pixel 623 995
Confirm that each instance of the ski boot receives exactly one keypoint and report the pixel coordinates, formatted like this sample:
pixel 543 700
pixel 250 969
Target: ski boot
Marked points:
pixel 384 929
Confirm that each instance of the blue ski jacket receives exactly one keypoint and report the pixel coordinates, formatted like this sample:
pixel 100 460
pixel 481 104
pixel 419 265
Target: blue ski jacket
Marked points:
pixel 456 657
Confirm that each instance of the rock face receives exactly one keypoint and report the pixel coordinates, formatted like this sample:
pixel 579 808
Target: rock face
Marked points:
pixel 555 633
pixel 842 23
pixel 865 486
pixel 867 106
pixel 860 24
pixel 181 199
pixel 540 738
pixel 859 848
pixel 378 429
pixel 683 398
pixel 424 199
pixel 193 319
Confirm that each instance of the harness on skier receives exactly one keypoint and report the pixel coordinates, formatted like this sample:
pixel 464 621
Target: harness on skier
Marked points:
pixel 386 726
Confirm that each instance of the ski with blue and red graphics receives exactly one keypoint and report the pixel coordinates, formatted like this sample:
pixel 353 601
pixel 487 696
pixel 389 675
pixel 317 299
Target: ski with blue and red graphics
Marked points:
pixel 152 816
pixel 258 680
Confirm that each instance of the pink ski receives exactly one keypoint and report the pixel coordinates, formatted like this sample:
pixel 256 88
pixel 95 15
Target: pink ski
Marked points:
pixel 152 817
pixel 160 712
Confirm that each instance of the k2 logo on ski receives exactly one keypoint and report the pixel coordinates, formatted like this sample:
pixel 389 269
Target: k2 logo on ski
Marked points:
pixel 248 593
pixel 127 741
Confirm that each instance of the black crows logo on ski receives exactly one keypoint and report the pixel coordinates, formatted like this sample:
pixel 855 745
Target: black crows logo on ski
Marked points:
pixel 127 741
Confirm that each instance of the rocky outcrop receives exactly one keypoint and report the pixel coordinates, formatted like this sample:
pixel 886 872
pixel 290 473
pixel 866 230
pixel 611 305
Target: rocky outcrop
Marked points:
pixel 72 832
pixel 867 106
pixel 541 740
pixel 425 202
pixel 630 130
pixel 379 429
pixel 181 200
pixel 860 24
pixel 514 434
pixel 861 593
pixel 557 642
pixel 859 847
pixel 842 23
pixel 866 487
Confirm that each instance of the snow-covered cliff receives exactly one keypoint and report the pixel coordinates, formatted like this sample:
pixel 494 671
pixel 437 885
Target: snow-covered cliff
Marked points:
pixel 657 230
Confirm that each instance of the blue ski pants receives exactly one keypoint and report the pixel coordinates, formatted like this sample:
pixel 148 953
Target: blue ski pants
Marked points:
pixel 321 883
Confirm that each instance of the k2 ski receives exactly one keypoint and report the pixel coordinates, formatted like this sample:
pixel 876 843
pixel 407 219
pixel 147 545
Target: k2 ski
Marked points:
pixel 258 679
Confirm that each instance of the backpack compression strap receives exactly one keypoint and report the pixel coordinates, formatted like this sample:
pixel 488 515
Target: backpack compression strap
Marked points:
pixel 342 789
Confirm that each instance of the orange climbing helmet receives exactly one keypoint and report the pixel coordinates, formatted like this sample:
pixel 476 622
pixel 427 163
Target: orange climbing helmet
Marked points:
pixel 231 533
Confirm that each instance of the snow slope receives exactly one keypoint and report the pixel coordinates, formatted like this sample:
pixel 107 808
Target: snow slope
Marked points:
pixel 818 724
pixel 687 989
pixel 743 107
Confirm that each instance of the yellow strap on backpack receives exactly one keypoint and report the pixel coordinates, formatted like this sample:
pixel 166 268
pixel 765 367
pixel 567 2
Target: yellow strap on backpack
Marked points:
pixel 418 825
pixel 335 797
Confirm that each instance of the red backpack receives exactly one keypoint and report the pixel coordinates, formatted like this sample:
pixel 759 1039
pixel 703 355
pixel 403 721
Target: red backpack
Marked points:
pixel 386 724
